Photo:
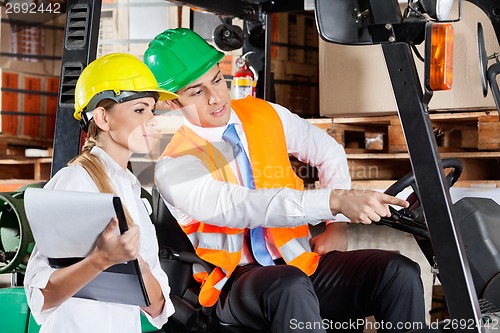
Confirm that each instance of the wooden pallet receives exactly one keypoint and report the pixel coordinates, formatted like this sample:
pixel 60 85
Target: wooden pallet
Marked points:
pixel 36 168
pixel 376 149
pixel 12 185
pixel 477 166
pixel 384 184
pixel 454 131
pixel 379 170
pixel 16 145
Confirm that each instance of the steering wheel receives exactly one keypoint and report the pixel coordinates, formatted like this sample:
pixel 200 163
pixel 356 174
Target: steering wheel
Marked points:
pixel 412 219
pixel 16 240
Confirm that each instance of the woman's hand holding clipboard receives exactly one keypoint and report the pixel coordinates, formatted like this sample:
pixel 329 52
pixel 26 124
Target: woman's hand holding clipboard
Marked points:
pixel 63 243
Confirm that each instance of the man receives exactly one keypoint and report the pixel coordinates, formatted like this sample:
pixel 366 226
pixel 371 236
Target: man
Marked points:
pixel 227 178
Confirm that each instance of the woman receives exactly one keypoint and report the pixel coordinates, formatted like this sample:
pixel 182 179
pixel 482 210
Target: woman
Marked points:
pixel 115 98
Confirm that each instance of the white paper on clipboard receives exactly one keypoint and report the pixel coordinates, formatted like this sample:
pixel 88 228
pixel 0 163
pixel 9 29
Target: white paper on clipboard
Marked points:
pixel 67 224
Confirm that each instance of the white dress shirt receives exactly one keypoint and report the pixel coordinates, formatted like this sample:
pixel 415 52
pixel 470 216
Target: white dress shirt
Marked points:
pixel 82 315
pixel 190 192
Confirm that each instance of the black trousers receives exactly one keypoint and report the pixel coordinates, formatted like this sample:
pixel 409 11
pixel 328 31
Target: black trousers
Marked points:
pixel 346 288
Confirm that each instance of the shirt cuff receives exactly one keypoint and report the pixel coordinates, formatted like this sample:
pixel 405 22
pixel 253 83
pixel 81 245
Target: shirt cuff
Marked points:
pixel 36 298
pixel 317 204
pixel 162 318
pixel 168 307
pixel 339 218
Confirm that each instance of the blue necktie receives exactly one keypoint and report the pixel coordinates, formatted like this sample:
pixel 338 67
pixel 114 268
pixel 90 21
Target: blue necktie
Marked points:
pixel 258 241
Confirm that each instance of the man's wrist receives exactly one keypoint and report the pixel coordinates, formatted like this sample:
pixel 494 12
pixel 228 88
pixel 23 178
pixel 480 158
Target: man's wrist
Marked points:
pixel 335 201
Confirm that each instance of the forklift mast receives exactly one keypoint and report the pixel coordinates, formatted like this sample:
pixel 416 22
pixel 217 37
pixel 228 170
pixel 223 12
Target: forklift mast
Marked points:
pixel 79 49
pixel 80 45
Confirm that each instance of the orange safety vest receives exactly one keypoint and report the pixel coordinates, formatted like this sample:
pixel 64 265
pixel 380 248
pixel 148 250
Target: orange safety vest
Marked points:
pixel 221 246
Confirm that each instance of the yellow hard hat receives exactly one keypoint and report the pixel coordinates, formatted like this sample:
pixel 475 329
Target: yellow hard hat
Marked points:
pixel 117 76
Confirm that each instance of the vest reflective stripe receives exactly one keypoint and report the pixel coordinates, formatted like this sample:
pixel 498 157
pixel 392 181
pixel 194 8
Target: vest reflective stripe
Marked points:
pixel 197 269
pixel 307 262
pixel 304 242
pixel 211 284
pixel 293 248
pixel 217 241
pixel 271 168
pixel 200 270
pixel 219 285
pixel 211 287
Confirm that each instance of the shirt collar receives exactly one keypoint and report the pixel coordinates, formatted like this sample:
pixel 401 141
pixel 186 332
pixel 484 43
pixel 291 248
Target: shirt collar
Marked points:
pixel 112 167
pixel 213 134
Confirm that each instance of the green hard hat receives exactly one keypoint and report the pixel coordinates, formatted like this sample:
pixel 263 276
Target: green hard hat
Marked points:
pixel 178 57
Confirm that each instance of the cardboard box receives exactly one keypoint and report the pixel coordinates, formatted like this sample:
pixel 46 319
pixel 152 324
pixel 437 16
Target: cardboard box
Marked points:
pixel 291 35
pixel 355 82
pixel 279 35
pixel 49 120
pixel 127 27
pixel 9 102
pixel 311 32
pixel 23 44
pixel 311 41
pixel 28 104
pixel 295 86
pixel 112 32
pixel 32 106
pixel 301 100
pixel 296 37
pixel 288 70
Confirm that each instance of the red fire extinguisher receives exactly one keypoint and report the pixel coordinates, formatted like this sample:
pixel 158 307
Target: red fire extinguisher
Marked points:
pixel 245 79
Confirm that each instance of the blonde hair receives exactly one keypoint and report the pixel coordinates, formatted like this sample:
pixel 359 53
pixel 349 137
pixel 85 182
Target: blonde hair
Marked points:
pixel 93 164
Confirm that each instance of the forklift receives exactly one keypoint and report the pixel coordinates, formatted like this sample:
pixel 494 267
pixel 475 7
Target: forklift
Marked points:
pixel 348 22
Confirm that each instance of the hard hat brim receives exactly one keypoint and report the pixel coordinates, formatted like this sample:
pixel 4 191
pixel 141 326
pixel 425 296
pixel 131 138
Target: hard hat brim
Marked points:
pixel 164 95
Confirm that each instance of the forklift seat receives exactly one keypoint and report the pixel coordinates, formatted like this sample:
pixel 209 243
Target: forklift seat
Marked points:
pixel 177 257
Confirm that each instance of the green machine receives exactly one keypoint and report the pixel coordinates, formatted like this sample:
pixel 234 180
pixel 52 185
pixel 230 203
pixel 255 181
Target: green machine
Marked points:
pixel 16 244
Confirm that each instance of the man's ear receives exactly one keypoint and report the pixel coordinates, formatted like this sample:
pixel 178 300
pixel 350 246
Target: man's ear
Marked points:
pixel 173 104
pixel 100 117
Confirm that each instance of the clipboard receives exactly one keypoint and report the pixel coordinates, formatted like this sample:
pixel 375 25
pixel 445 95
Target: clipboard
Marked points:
pixel 121 283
